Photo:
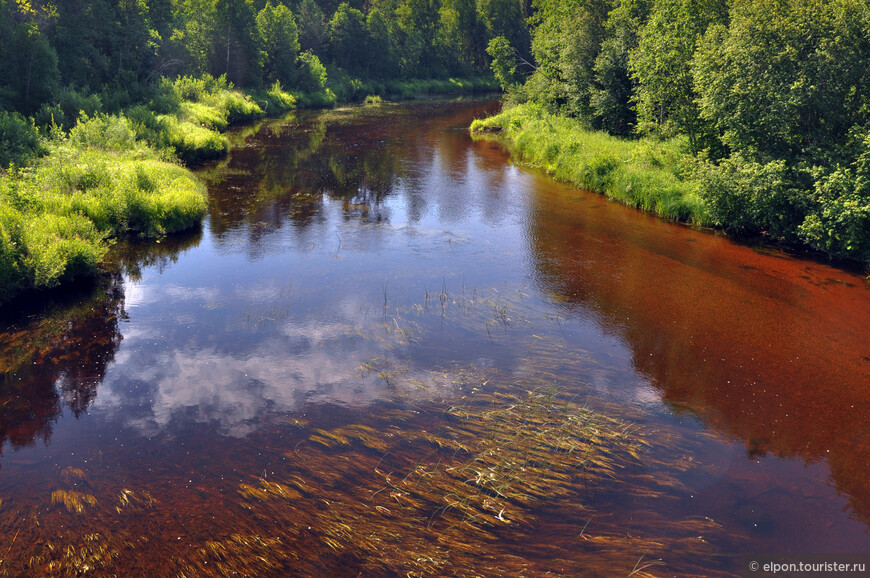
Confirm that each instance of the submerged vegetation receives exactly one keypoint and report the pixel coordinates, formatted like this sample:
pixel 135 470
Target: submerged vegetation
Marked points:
pixel 415 492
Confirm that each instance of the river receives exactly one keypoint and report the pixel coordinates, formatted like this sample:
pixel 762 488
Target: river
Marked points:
pixel 391 351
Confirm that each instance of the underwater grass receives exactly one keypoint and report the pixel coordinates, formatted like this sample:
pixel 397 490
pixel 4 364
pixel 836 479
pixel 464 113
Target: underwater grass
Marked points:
pixel 648 174
pixel 455 487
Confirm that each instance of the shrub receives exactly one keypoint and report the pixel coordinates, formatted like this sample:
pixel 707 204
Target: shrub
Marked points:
pixel 312 74
pixel 19 140
pixel 749 197
pixel 839 219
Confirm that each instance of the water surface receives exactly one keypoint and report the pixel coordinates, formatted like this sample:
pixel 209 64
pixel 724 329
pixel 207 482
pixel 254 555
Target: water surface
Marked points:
pixel 391 351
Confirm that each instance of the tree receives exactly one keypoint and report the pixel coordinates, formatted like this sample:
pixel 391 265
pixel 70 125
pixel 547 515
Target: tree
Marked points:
pixel 29 75
pixel 661 66
pixel 504 62
pixel 382 49
pixel 505 18
pixel 237 52
pixel 348 38
pixel 610 98
pixel 566 39
pixel 313 31
pixel 279 39
pixel 420 22
pixel 312 74
pixel 787 78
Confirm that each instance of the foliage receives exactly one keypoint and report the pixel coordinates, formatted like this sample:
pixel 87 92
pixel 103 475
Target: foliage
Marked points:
pixel 312 26
pixel 786 79
pixel 97 183
pixel 660 65
pixel 565 43
pixel 348 38
pixel 312 74
pixel 503 62
pixel 19 140
pixel 751 198
pixel 768 95
pixel 280 43
pixel 648 174
pixel 839 220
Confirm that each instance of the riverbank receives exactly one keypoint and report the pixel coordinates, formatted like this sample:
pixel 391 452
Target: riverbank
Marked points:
pixel 649 174
pixel 113 175
pixel 760 203
pixel 347 89
pixel 66 195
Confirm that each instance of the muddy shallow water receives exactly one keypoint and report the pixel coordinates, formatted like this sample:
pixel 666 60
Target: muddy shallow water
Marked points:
pixel 390 351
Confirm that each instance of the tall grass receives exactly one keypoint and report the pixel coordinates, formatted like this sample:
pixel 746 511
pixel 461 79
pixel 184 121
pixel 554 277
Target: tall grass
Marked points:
pixel 189 114
pixel 57 217
pixel 111 175
pixel 649 174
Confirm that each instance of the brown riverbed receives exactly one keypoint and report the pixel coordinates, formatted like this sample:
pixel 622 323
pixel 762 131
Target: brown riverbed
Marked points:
pixel 390 351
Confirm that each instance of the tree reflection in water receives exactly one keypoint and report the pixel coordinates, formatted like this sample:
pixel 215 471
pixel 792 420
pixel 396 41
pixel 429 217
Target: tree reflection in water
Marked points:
pixel 55 348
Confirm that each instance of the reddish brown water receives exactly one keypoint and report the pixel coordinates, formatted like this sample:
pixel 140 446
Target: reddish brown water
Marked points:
pixel 332 378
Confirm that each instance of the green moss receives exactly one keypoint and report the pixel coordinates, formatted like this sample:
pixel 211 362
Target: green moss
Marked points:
pixel 649 174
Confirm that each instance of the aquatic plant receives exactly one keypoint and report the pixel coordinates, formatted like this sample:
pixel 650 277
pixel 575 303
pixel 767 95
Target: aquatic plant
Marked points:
pixel 421 490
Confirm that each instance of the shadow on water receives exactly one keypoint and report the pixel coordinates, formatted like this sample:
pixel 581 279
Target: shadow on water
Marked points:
pixel 770 351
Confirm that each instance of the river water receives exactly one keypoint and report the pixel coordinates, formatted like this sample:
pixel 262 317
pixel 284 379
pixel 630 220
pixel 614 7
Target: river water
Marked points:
pixel 391 351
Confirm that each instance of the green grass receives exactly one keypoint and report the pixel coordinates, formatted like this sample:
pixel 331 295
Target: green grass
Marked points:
pixel 649 174
pixel 112 175
pixel 191 113
pixel 57 216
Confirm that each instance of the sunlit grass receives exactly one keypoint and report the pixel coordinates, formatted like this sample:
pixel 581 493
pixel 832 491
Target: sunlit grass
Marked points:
pixel 647 173
pixel 95 184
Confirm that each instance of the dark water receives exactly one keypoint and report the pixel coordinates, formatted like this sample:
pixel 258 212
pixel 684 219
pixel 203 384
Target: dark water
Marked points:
pixel 391 352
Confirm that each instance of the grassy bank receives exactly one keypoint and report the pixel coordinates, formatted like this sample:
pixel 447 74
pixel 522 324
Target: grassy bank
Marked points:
pixel 111 175
pixel 189 115
pixel 647 173
pixel 97 182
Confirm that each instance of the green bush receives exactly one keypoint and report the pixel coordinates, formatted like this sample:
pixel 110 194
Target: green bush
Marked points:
pixel 748 197
pixel 19 140
pixel 839 218
pixel 100 182
pixel 312 75
pixel 275 99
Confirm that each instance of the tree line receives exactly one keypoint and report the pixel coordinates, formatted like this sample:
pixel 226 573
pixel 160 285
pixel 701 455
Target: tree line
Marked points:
pixel 772 98
pixel 56 50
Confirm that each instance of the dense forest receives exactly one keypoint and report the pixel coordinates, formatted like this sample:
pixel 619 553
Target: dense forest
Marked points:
pixel 768 99
pixel 62 52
